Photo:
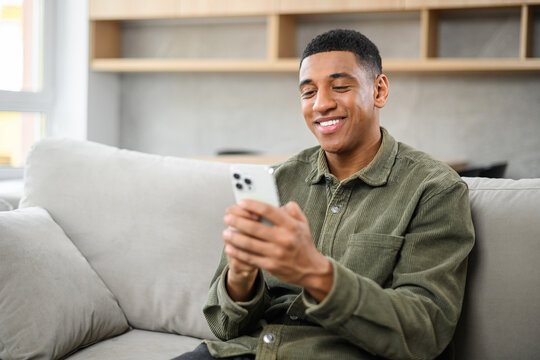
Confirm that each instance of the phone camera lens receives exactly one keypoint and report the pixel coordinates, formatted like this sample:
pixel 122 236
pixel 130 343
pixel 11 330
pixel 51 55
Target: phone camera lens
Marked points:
pixel 247 181
pixel 236 176
pixel 239 186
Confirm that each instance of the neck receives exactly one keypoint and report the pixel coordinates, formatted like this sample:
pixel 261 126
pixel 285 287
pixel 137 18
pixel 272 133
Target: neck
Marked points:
pixel 344 165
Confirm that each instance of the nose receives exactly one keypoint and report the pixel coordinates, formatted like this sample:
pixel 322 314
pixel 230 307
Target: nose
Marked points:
pixel 324 101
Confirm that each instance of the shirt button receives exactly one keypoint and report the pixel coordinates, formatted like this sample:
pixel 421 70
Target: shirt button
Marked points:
pixel 335 209
pixel 293 317
pixel 269 338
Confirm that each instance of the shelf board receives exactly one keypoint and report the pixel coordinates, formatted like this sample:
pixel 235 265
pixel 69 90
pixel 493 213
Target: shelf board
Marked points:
pixel 178 9
pixel 193 65
pixel 291 65
pixel 462 65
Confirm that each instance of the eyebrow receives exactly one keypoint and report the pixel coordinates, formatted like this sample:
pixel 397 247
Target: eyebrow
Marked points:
pixel 332 76
pixel 304 82
pixel 340 75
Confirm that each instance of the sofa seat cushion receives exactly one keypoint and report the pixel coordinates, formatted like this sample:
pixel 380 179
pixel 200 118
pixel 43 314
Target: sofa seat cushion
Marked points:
pixel 51 301
pixel 138 345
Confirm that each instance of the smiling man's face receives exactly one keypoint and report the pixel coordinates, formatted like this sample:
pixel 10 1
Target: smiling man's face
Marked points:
pixel 339 102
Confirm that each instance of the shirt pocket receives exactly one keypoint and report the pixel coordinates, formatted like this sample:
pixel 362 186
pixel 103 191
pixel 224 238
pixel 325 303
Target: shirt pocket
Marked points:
pixel 373 255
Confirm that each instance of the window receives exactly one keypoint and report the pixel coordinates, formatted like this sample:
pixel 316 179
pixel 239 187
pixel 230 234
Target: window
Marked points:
pixel 18 131
pixel 25 80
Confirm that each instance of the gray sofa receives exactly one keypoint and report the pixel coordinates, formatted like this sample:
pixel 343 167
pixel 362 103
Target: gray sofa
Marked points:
pixel 111 252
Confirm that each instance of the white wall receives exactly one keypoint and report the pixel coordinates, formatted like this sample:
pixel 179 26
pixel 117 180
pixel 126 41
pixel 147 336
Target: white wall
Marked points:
pixel 104 108
pixel 480 118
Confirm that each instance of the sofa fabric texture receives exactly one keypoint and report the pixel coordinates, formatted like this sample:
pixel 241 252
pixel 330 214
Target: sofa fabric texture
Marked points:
pixel 10 194
pixel 139 345
pixel 51 300
pixel 500 317
pixel 150 227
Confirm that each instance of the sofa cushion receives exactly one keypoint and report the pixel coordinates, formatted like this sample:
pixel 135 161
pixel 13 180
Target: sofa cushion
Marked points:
pixel 51 301
pixel 5 206
pixel 502 299
pixel 11 191
pixel 138 345
pixel 149 225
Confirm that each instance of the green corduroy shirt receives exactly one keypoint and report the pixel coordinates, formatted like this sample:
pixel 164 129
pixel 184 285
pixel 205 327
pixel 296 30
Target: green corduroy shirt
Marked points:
pixel 397 233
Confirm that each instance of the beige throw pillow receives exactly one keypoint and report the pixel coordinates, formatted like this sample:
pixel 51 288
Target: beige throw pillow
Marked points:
pixel 51 300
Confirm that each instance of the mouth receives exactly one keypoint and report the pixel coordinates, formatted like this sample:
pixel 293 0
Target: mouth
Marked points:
pixel 329 126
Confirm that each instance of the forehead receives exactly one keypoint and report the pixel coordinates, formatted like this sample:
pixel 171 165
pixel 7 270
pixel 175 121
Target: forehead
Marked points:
pixel 323 64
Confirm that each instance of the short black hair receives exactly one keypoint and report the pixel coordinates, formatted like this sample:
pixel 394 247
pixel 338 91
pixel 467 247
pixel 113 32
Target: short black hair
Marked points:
pixel 365 50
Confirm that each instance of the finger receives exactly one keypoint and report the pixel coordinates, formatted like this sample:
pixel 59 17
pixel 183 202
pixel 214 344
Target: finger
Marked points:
pixel 239 211
pixel 243 257
pixel 273 214
pixel 248 226
pixel 245 243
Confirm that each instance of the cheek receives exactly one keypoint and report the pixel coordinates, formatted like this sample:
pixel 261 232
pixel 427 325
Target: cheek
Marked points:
pixel 365 99
pixel 361 104
pixel 307 110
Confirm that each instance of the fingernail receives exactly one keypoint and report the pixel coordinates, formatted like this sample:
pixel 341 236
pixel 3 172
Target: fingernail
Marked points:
pixel 227 233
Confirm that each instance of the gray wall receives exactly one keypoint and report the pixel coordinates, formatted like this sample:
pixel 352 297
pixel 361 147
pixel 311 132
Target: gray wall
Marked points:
pixel 480 118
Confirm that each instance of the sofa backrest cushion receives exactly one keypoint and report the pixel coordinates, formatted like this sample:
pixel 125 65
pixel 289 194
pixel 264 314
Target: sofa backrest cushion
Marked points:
pixel 500 317
pixel 149 225
pixel 51 301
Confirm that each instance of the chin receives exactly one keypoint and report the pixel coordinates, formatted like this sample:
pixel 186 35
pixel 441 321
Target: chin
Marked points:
pixel 332 149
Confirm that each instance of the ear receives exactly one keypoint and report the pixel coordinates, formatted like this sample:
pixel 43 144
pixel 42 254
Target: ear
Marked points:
pixel 381 88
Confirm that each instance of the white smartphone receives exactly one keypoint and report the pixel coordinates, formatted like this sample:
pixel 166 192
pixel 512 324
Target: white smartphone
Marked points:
pixel 255 182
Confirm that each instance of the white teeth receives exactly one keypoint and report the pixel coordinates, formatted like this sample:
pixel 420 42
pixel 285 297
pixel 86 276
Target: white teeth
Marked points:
pixel 329 123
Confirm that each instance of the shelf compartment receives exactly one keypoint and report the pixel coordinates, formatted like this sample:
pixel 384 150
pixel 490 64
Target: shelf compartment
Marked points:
pixel 208 38
pixel 479 33
pixel 397 34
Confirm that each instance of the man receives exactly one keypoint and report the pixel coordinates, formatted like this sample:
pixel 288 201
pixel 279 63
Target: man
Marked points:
pixel 368 257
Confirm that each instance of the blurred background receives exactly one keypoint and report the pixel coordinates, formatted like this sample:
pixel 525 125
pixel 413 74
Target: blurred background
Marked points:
pixel 50 86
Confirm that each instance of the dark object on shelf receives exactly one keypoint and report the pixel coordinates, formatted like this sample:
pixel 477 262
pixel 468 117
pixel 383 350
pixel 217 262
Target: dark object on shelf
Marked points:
pixel 496 170
pixel 237 152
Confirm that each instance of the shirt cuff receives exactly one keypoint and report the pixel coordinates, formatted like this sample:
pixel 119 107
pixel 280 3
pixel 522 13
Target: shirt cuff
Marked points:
pixel 237 310
pixel 340 303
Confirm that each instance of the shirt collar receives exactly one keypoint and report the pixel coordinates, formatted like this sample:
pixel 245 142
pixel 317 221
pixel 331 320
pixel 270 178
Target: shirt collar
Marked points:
pixel 376 173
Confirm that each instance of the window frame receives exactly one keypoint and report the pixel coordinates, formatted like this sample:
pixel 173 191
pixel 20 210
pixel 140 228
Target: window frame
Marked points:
pixel 41 101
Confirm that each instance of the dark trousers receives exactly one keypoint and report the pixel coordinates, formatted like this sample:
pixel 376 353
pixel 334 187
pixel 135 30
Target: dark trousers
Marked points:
pixel 201 353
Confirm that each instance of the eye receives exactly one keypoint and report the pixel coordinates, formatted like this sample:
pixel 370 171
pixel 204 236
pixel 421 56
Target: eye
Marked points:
pixel 307 94
pixel 341 88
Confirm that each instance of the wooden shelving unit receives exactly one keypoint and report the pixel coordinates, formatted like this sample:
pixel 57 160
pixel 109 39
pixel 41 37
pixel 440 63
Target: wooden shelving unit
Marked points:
pixel 106 19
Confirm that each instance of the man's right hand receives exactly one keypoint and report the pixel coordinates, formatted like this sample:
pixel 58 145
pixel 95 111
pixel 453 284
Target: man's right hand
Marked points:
pixel 241 276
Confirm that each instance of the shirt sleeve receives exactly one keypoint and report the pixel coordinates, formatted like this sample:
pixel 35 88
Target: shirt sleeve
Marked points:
pixel 416 316
pixel 229 319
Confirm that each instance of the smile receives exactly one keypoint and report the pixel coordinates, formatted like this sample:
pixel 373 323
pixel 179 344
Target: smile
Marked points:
pixel 330 126
pixel 330 122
